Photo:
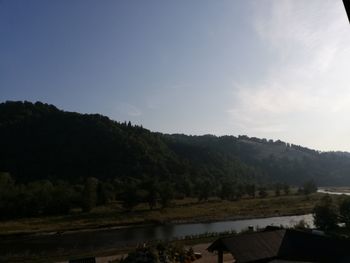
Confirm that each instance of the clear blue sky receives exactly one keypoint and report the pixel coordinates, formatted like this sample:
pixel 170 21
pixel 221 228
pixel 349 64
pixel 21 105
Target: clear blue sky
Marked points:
pixel 274 69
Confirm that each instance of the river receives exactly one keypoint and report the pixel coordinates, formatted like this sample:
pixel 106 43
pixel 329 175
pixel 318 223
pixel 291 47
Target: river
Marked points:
pixel 332 192
pixel 115 238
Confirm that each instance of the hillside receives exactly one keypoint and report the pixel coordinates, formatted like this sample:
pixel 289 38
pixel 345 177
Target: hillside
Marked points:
pixel 39 141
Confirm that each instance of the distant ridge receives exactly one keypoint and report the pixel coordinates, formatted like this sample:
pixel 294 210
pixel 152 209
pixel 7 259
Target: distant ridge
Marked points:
pixel 40 141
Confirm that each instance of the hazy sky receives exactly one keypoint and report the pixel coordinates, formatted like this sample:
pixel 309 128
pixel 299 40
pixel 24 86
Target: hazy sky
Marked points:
pixel 271 69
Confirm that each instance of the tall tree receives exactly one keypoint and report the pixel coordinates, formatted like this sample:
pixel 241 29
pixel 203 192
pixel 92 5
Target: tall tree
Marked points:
pixel 309 187
pixel 325 214
pixel 151 188
pixel 205 190
pixel 90 194
pixel 166 194
pixel 286 189
pixel 344 211
pixel 130 195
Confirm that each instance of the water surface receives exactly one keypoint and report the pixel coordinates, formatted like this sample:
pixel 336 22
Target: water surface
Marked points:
pixel 331 192
pixel 115 238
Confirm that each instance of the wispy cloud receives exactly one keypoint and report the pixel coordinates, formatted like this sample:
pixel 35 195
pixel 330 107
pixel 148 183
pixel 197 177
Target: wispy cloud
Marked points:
pixel 308 79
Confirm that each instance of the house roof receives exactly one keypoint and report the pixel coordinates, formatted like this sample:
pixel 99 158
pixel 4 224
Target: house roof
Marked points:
pixel 251 246
pixel 283 244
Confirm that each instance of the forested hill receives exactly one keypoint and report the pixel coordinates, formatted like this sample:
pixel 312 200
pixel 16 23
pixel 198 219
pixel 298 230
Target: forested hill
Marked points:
pixel 39 141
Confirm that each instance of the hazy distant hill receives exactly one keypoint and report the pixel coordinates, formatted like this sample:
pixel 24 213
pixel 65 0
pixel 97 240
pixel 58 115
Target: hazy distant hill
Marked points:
pixel 276 160
pixel 39 141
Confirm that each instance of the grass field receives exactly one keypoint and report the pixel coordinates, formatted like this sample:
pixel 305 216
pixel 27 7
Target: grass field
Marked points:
pixel 186 210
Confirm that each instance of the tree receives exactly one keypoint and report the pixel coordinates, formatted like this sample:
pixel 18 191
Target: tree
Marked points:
pixel 6 195
pixel 325 214
pixel 90 194
pixel 5 181
pixel 42 193
pixel 226 190
pixel 151 188
pixel 286 189
pixel 344 211
pixel 278 188
pixel 230 190
pixel 63 198
pixel 205 190
pixel 166 194
pixel 142 255
pixel 250 190
pixel 262 192
pixel 309 187
pixel 186 186
pixel 105 193
pixel 129 196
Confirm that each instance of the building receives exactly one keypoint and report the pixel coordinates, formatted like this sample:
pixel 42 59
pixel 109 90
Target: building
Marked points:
pixel 282 245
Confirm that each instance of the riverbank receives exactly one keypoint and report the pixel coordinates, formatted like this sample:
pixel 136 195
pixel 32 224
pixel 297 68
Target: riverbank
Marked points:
pixel 182 211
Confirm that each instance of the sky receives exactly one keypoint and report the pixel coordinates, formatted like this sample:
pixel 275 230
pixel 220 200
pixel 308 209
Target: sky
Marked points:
pixel 275 69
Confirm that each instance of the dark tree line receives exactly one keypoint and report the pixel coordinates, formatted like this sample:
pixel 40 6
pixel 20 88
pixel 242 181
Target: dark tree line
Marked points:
pixel 45 197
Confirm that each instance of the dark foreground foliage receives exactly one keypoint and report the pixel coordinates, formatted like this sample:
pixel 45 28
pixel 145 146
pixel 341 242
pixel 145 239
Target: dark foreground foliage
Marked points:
pixel 161 253
pixel 331 214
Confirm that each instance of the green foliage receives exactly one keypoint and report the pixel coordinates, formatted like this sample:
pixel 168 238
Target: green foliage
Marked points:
pixel 105 193
pixel 83 145
pixel 344 211
pixel 35 198
pixel 286 189
pixel 162 253
pixel 326 214
pixel 142 255
pixel 277 188
pixel 231 190
pixel 263 192
pixel 7 193
pixel 309 187
pixel 130 196
pixel 205 190
pixel 185 186
pixel 63 198
pixel 251 190
pixel 6 181
pixel 166 194
pixel 65 150
pixel 151 188
pixel 90 194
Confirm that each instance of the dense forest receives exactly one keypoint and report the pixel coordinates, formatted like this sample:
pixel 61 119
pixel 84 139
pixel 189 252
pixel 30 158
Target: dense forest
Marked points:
pixel 44 147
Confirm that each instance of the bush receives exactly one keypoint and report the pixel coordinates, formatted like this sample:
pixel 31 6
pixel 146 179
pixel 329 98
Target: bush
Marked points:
pixel 142 255
pixel 326 214
pixel 309 187
pixel 344 211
